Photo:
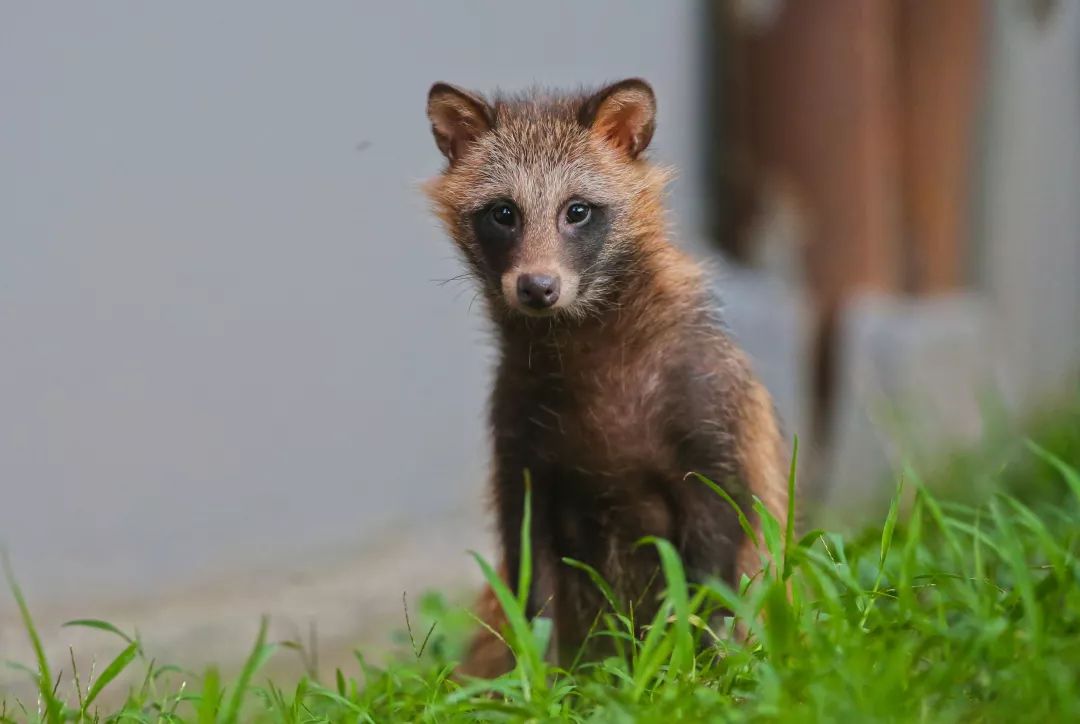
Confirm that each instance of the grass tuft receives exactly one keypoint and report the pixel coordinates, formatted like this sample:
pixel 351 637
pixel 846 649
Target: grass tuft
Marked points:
pixel 950 610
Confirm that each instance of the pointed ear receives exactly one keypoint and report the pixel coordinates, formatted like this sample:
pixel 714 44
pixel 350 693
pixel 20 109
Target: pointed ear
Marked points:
pixel 623 114
pixel 457 118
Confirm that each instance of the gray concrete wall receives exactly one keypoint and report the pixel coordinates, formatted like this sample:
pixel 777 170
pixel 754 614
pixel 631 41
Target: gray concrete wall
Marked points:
pixel 222 342
pixel 1029 260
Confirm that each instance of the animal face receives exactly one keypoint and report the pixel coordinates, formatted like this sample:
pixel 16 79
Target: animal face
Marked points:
pixel 547 196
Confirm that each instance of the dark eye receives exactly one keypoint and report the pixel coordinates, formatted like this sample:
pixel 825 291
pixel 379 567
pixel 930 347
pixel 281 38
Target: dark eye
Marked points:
pixel 504 215
pixel 578 213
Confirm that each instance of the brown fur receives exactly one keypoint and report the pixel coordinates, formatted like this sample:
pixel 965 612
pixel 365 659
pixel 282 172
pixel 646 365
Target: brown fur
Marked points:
pixel 624 387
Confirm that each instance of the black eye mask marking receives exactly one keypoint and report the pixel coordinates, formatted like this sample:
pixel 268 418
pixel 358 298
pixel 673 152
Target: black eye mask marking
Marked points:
pixel 498 228
pixel 584 241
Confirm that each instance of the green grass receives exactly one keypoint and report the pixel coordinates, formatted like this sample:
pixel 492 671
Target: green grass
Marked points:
pixel 957 609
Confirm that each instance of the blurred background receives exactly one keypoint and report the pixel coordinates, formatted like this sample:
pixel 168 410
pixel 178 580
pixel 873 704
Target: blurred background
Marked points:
pixel 233 379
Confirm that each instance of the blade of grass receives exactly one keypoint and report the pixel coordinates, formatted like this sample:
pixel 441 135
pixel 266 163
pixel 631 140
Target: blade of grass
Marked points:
pixel 597 580
pixel 255 660
pixel 53 707
pixel 525 567
pixel 909 556
pixel 770 531
pixel 1071 476
pixel 99 625
pixel 985 594
pixel 340 700
pixel 744 522
pixel 886 544
pixel 1057 556
pixel 940 519
pixel 110 672
pixel 682 655
pixel 779 625
pixel 653 650
pixel 16 666
pixel 789 530
pixel 542 628
pixel 520 633
pixel 1022 581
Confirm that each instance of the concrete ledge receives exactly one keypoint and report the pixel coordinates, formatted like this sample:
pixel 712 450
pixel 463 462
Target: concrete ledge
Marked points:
pixel 913 375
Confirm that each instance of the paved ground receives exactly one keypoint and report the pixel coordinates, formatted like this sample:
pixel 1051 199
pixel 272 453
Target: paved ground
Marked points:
pixel 354 598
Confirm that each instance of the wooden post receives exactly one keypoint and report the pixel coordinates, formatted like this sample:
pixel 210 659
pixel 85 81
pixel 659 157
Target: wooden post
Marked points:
pixel 941 58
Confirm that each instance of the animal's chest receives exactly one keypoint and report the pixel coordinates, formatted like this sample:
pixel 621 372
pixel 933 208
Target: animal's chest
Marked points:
pixel 596 440
pixel 600 423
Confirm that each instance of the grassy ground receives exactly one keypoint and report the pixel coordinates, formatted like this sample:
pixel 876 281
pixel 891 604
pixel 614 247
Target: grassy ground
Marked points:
pixel 947 611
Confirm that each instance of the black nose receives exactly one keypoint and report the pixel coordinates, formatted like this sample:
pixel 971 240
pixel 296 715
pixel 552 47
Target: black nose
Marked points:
pixel 538 291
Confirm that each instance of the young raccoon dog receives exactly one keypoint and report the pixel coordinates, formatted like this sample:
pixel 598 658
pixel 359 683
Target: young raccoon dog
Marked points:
pixel 615 377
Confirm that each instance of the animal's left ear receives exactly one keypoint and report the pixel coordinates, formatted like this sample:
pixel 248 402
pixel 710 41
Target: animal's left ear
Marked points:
pixel 458 118
pixel 622 114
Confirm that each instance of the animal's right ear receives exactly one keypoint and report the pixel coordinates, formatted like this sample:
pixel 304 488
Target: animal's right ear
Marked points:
pixel 457 118
pixel 622 114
